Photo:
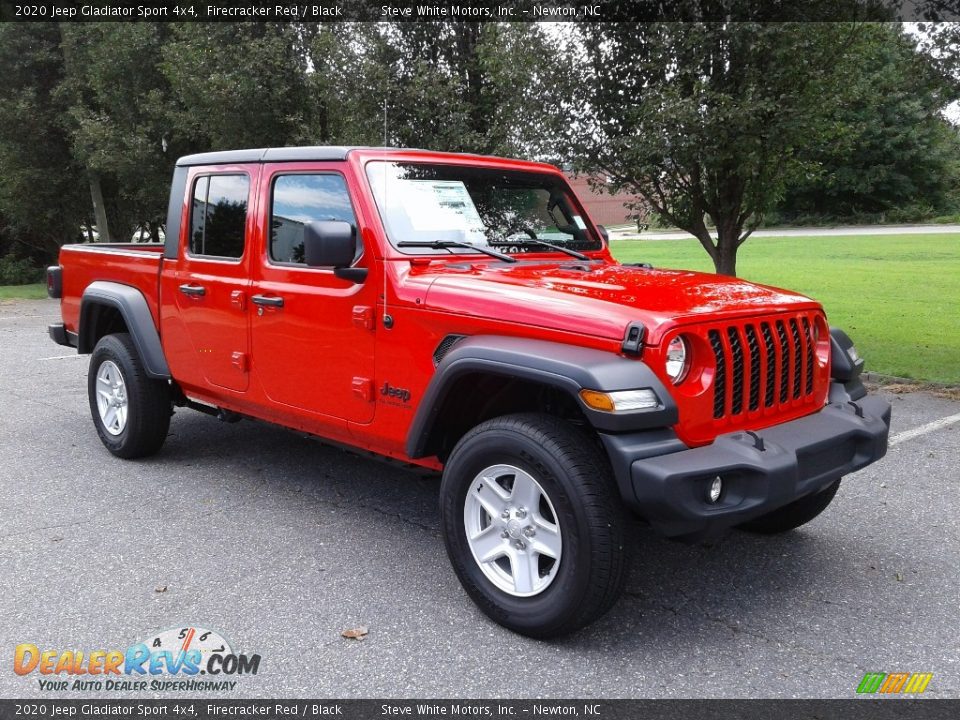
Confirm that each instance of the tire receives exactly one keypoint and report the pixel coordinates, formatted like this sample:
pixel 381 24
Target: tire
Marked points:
pixel 574 484
pixel 791 516
pixel 116 371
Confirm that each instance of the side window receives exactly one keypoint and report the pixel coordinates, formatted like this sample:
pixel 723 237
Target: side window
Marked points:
pixel 218 219
pixel 301 199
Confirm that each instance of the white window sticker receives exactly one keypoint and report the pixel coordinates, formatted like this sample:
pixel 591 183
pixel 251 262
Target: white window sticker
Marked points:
pixel 578 221
pixel 442 205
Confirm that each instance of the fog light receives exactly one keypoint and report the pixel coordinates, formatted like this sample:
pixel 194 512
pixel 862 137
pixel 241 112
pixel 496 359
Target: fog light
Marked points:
pixel 716 487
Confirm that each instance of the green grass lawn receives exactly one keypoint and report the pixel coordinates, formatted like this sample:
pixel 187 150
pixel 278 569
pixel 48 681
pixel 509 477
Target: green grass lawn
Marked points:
pixel 897 296
pixel 23 292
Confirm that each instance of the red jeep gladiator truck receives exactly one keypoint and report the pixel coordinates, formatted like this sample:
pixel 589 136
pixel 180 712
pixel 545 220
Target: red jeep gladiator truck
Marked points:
pixel 464 314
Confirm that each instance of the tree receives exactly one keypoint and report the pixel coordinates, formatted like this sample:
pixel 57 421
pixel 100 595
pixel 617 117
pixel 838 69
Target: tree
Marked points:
pixel 236 85
pixel 891 149
pixel 119 119
pixel 43 197
pixel 456 86
pixel 706 120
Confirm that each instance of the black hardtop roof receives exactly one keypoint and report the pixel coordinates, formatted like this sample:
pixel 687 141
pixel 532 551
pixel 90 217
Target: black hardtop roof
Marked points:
pixel 303 154
pixel 281 154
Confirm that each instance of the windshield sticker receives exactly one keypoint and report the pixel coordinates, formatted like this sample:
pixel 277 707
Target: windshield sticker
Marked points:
pixel 578 221
pixel 443 205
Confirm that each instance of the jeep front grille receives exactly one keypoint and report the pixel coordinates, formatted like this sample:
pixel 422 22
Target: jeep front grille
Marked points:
pixel 762 364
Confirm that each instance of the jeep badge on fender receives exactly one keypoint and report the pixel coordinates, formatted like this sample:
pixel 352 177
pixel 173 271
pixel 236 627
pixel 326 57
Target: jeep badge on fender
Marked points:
pixel 401 394
pixel 553 387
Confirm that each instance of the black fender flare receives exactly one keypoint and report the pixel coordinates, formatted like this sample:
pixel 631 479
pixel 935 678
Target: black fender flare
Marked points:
pixel 133 308
pixel 844 370
pixel 567 367
pixel 842 366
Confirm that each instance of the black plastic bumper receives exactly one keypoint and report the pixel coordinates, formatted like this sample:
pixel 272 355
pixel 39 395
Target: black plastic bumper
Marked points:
pixel 59 334
pixel 797 458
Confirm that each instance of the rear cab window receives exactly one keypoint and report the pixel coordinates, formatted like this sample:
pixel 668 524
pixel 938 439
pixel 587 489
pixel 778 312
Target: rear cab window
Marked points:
pixel 218 216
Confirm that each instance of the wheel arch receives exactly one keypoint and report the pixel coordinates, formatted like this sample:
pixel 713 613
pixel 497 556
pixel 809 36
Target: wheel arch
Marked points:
pixel 109 307
pixel 484 376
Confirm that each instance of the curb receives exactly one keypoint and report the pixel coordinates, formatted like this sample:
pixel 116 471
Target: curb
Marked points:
pixel 881 379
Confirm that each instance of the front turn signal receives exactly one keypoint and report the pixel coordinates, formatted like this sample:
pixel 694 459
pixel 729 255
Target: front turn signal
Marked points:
pixel 620 400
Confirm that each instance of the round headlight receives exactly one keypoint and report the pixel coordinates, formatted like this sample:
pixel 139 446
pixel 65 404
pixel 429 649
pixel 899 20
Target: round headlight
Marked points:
pixel 678 359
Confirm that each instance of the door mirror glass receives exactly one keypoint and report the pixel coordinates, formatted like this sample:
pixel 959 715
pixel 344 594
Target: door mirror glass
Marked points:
pixel 329 243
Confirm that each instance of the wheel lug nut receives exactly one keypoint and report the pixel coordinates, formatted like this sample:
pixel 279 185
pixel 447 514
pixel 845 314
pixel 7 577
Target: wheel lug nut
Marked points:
pixel 505 515
pixel 504 534
pixel 521 512
pixel 521 545
pixel 529 531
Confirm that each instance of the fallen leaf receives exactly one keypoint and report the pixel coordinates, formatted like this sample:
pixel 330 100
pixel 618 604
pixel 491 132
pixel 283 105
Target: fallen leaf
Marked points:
pixel 899 577
pixel 357 633
pixel 160 588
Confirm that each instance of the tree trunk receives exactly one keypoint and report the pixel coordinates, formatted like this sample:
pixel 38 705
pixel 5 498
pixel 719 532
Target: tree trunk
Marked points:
pixel 99 211
pixel 725 261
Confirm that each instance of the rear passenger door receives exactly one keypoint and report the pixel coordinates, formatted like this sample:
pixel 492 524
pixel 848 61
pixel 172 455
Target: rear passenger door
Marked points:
pixel 209 333
pixel 312 332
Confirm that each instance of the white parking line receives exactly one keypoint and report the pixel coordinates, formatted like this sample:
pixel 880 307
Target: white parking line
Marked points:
pixel 923 429
pixel 62 357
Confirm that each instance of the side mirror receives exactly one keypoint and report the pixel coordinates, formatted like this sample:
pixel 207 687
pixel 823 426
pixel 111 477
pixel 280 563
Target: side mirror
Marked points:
pixel 604 232
pixel 332 243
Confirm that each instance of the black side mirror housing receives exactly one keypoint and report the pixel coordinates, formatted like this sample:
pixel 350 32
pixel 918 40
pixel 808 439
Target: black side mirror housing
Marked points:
pixel 604 232
pixel 333 244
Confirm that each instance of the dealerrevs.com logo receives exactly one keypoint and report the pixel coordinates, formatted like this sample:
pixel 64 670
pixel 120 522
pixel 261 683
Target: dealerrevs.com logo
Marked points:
pixel 189 659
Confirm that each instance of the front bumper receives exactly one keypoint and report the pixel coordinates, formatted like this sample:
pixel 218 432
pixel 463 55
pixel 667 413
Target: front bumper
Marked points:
pixel 797 458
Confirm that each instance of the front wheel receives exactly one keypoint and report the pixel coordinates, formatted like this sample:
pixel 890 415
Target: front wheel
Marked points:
pixel 130 410
pixel 533 524
pixel 791 516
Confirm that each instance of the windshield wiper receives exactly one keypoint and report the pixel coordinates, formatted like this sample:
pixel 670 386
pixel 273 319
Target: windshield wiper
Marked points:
pixel 447 244
pixel 543 243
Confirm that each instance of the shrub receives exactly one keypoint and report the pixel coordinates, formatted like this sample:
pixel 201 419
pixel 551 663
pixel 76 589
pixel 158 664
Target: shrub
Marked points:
pixel 19 271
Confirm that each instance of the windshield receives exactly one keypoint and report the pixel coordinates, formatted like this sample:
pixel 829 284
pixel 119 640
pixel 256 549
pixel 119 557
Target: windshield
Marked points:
pixel 505 210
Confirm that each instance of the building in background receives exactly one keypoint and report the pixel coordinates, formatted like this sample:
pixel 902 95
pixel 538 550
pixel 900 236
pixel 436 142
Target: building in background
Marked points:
pixel 604 208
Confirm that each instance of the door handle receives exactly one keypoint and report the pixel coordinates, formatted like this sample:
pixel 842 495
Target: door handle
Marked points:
pixel 193 290
pixel 270 300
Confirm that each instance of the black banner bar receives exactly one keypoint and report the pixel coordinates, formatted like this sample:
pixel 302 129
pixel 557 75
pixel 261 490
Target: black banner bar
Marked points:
pixel 200 709
pixel 478 10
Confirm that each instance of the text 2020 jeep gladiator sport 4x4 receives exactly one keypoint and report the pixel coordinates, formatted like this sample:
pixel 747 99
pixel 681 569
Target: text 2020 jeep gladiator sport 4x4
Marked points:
pixel 464 314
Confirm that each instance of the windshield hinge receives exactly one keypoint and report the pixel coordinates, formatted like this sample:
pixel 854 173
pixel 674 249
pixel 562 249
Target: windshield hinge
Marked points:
pixel 633 338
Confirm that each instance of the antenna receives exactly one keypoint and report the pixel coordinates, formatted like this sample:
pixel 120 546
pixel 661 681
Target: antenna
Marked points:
pixel 387 318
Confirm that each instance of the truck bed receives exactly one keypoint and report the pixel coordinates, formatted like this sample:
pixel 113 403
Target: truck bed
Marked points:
pixel 134 264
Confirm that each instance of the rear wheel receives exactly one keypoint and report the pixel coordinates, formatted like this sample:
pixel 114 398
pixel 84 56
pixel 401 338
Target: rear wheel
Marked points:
pixel 533 524
pixel 791 516
pixel 130 410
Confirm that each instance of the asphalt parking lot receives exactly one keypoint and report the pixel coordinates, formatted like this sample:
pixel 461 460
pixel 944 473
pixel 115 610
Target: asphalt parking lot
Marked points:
pixel 280 543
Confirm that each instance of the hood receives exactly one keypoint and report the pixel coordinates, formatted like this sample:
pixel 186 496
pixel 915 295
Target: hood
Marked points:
pixel 598 299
